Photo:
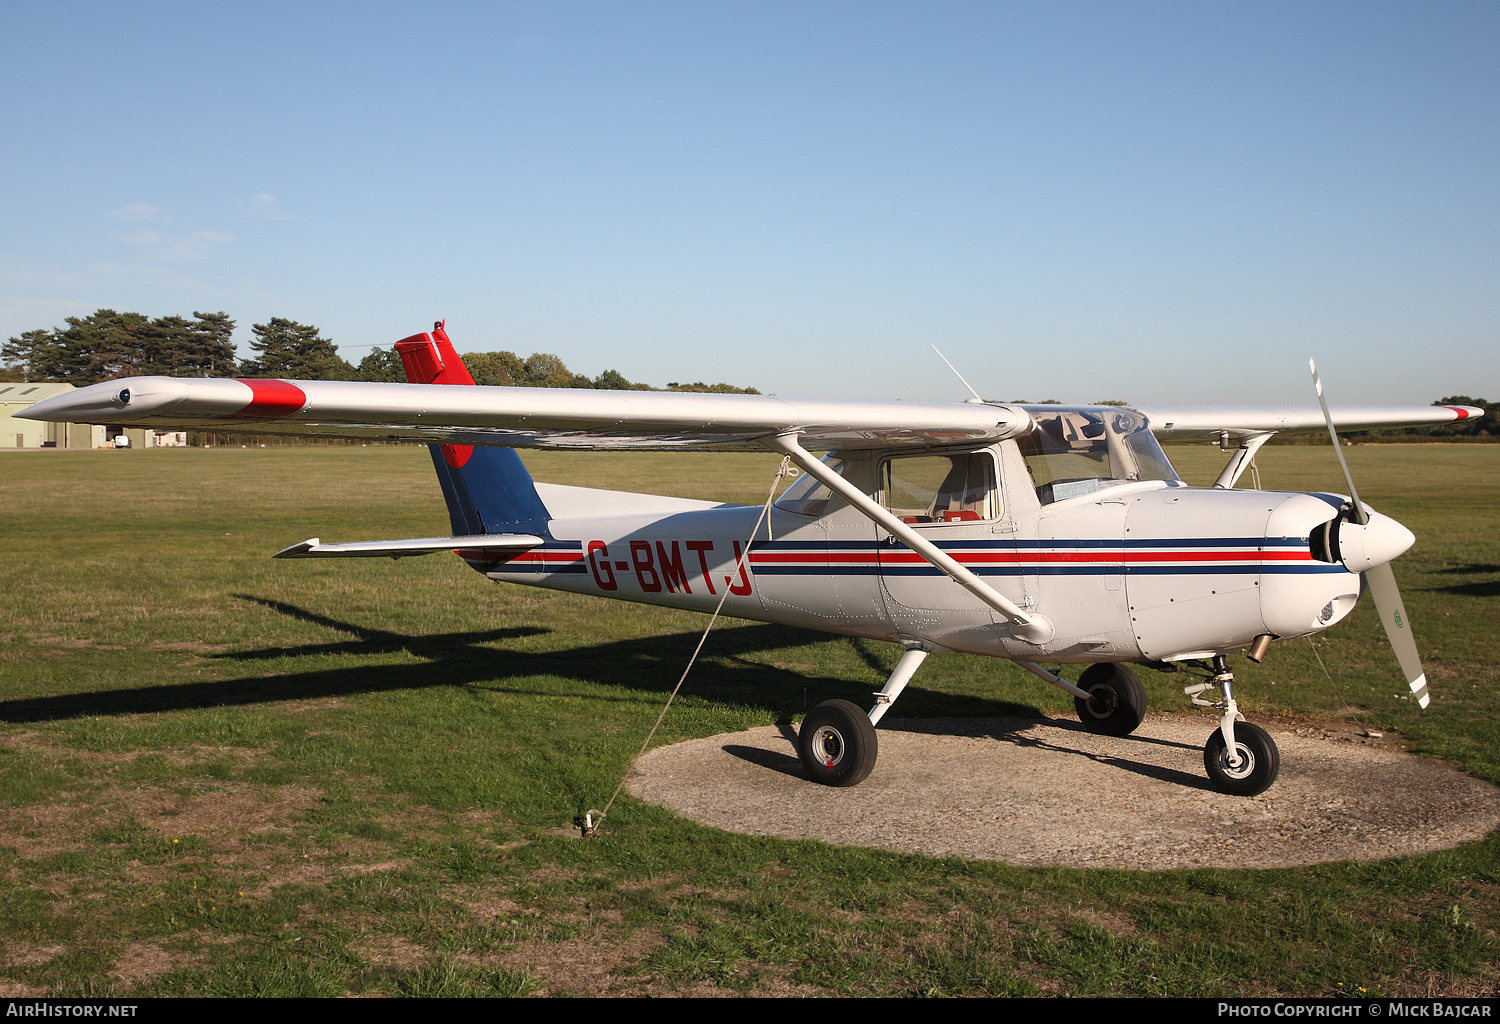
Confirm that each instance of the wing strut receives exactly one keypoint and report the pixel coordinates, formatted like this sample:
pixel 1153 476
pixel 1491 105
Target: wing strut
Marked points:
pixel 1032 628
pixel 1242 457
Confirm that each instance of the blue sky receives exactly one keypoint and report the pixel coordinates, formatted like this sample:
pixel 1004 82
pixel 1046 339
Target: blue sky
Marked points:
pixel 1163 203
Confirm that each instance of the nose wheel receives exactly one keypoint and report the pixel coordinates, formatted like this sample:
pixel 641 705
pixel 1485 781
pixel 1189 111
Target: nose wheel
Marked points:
pixel 1251 770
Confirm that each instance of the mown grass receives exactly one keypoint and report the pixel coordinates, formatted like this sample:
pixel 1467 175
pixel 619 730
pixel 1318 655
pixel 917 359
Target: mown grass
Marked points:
pixel 224 775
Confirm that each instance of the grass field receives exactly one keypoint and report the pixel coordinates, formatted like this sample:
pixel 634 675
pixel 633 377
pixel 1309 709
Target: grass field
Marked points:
pixel 224 775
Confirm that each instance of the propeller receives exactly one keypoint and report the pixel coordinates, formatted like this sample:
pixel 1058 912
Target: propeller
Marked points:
pixel 1367 544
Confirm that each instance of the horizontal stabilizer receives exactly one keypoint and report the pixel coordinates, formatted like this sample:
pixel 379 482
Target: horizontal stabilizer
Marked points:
pixel 314 548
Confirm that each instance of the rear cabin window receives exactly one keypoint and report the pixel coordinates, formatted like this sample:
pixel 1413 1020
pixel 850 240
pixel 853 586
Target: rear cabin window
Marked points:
pixel 940 488
pixel 808 497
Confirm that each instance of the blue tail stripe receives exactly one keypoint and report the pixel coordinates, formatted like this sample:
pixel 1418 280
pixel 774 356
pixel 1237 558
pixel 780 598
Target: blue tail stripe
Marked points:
pixel 456 496
pixel 491 493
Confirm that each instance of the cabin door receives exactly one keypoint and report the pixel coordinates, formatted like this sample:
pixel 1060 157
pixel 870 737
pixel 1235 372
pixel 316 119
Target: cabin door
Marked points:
pixel 953 501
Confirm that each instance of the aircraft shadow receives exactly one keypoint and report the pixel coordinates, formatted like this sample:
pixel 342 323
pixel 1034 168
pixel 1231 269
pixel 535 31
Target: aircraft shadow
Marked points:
pixel 1016 731
pixel 1160 773
pixel 1490 589
pixel 774 760
pixel 1482 588
pixel 471 659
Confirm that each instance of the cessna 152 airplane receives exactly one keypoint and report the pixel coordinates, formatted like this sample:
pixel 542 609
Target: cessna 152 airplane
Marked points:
pixel 1049 533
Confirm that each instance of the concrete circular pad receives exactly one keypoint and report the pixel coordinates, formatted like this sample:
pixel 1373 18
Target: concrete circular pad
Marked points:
pixel 1036 793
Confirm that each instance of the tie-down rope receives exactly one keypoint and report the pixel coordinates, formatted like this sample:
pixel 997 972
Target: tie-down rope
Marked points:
pixel 591 826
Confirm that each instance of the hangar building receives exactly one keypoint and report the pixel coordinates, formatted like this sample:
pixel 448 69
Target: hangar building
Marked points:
pixel 18 433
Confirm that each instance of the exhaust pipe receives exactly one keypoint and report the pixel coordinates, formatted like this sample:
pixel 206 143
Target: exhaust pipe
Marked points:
pixel 1257 651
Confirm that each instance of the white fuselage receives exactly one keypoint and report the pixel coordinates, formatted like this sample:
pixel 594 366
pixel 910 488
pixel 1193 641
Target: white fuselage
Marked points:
pixel 1152 570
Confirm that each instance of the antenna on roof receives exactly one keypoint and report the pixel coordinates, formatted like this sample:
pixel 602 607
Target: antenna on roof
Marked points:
pixel 968 401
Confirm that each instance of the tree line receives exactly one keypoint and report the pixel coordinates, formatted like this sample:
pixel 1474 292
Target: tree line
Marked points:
pixel 108 345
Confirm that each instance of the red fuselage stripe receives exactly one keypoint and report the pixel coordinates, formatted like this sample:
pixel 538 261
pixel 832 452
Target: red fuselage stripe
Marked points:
pixel 989 558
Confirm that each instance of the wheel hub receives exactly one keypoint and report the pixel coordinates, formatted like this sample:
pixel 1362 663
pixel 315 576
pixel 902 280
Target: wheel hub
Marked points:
pixel 1244 769
pixel 1102 701
pixel 829 745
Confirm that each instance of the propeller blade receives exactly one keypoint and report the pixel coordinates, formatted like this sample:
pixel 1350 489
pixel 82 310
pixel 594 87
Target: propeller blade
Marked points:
pixel 1359 509
pixel 1382 583
pixel 1381 579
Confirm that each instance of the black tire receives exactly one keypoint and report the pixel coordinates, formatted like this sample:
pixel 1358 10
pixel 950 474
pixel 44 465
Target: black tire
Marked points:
pixel 1117 700
pixel 1255 775
pixel 837 744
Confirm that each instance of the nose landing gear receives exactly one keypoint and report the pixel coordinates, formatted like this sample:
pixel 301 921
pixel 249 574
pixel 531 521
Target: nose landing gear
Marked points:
pixel 1242 759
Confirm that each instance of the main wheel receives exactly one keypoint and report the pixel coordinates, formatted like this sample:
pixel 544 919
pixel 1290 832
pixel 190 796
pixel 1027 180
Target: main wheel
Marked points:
pixel 837 744
pixel 1117 700
pixel 1259 761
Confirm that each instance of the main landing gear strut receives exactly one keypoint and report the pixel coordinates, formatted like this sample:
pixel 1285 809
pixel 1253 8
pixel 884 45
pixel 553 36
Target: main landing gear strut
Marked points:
pixel 838 743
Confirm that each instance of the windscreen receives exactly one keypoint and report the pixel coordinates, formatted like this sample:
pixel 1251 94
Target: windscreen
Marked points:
pixel 1072 451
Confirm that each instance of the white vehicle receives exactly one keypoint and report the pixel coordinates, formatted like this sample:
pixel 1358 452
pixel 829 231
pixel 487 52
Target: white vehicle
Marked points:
pixel 1035 533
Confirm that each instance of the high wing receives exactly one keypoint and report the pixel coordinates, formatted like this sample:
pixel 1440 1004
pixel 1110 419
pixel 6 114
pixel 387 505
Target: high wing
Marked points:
pixel 1191 423
pixel 636 420
pixel 525 417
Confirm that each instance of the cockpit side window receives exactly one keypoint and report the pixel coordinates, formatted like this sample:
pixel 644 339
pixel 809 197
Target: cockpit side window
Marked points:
pixel 1076 451
pixel 940 488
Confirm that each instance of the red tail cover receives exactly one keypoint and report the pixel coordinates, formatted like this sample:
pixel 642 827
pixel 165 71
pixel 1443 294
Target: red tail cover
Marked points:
pixel 431 359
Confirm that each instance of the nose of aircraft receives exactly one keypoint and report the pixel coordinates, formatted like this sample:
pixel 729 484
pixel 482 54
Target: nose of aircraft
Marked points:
pixel 1377 542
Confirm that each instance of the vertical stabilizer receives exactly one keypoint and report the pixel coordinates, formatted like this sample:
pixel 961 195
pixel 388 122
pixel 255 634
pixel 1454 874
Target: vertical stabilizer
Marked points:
pixel 487 489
